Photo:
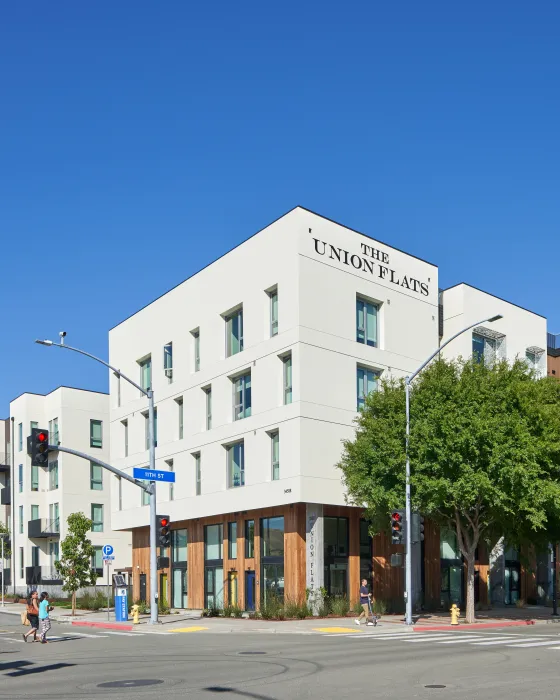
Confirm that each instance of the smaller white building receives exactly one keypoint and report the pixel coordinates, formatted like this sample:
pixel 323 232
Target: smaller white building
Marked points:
pixel 519 334
pixel 44 497
pixel 5 491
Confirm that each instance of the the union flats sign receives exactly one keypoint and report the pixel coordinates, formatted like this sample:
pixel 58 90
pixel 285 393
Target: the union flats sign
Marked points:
pixel 373 261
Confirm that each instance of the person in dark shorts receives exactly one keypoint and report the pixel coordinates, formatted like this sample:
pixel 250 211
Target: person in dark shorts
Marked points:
pixel 32 616
pixel 365 595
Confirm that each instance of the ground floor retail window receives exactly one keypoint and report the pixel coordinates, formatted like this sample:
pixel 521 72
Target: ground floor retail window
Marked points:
pixel 336 578
pixel 272 581
pixel 179 598
pixel 451 567
pixel 214 587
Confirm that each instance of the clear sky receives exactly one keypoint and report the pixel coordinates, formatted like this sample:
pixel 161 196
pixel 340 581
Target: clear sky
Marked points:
pixel 141 140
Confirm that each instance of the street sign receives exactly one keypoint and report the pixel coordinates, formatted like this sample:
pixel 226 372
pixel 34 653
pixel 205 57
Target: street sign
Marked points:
pixel 108 560
pixel 149 475
pixel 108 550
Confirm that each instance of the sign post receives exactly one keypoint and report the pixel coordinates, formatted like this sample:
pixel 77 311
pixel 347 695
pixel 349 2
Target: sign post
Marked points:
pixel 3 535
pixel 108 558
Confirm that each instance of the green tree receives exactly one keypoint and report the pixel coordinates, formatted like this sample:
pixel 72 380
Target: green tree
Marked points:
pixel 484 449
pixel 74 566
pixel 7 550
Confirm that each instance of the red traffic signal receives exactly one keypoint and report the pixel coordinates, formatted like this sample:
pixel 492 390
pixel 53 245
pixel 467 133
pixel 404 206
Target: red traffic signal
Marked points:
pixel 164 522
pixel 163 531
pixel 43 437
pixel 397 527
pixel 38 447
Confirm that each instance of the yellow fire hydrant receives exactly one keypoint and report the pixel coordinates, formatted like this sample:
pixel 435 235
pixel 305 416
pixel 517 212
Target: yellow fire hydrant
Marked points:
pixel 135 614
pixel 455 610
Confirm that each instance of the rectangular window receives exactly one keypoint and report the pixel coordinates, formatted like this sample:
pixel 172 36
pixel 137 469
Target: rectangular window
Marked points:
pixel 155 427
pixel 53 475
pixel 234 333
pixel 169 463
pixel 168 361
pixel 180 416
pixel 54 436
pixel 146 373
pixel 242 397
pixel 272 537
pixel 335 537
pixel 35 556
pixel 178 546
pixel 21 567
pixel 34 512
pixel 236 465
pixel 33 425
pixel 196 338
pixel 20 478
pixel 20 436
pixel 95 477
pixel 484 349
pixel 34 478
pixel 273 312
pixel 96 433
pixel 366 322
pixel 208 393
pixel 97 517
pixel 367 381
pixel 21 520
pixel 54 519
pixel 232 540
pixel 125 436
pixel 145 498
pixel 287 380
pixel 54 553
pixel 213 542
pixel 198 475
pixel 249 539
pixel 97 557
pixel 275 455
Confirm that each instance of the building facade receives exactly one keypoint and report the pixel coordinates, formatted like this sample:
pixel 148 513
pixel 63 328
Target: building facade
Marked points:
pixel 553 355
pixel 259 364
pixel 5 489
pixel 44 497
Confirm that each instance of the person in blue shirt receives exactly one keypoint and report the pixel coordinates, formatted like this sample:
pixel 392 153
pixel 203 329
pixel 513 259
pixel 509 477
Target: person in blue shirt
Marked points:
pixel 365 596
pixel 44 620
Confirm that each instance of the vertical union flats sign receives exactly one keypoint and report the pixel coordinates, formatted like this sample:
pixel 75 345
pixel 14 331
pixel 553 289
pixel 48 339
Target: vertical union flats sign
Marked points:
pixel 373 261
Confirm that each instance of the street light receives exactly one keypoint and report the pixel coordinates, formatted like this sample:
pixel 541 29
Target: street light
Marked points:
pixel 152 448
pixel 408 533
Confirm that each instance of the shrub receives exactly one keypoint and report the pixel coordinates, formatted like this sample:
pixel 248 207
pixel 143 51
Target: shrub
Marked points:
pixel 340 606
pixel 212 611
pixel 379 607
pixel 520 603
pixel 296 608
pixel 236 611
pixel 272 608
pixel 143 607
pixel 357 609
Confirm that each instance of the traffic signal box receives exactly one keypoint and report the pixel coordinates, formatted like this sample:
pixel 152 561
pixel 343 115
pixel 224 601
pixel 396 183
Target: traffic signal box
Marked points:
pixel 398 523
pixel 163 530
pixel 38 447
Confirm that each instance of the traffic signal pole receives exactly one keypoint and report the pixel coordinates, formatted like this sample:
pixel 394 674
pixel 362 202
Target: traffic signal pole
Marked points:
pixel 151 488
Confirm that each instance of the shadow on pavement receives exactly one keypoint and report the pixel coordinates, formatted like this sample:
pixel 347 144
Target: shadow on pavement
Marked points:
pixel 21 668
pixel 235 691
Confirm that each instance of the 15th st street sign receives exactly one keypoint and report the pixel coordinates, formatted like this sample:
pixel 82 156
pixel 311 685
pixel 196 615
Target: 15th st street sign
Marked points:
pixel 152 475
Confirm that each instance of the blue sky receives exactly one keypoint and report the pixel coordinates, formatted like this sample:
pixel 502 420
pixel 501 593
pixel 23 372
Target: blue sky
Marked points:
pixel 141 140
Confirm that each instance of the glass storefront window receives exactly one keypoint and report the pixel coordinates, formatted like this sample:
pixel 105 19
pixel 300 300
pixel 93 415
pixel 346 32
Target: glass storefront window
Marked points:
pixel 449 548
pixel 272 537
pixel 336 537
pixel 232 540
pixel 249 539
pixel 213 542
pixel 179 545
pixel 272 583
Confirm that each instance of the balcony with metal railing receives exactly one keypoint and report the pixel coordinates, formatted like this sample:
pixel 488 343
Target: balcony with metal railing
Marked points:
pixel 553 344
pixel 4 461
pixel 43 527
pixel 6 496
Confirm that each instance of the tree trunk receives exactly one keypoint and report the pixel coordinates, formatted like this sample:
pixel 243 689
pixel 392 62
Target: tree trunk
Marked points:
pixel 73 603
pixel 469 614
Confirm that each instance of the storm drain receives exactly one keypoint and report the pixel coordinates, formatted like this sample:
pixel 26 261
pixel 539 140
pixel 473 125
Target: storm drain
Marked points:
pixel 247 653
pixel 137 683
pixel 435 686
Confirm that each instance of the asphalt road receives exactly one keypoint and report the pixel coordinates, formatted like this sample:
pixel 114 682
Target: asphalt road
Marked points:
pixel 278 666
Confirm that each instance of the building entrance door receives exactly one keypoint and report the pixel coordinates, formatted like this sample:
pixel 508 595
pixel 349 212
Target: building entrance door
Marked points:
pixel 179 588
pixel 163 597
pixel 250 590
pixel 511 583
pixel 143 587
pixel 214 587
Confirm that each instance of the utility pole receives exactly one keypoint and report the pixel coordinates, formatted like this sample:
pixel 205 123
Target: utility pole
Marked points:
pixel 151 488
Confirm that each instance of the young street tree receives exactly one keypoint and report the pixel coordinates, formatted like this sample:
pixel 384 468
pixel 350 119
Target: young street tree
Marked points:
pixel 7 551
pixel 484 450
pixel 74 566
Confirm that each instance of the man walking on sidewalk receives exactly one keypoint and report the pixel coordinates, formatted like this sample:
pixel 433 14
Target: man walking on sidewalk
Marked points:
pixel 365 596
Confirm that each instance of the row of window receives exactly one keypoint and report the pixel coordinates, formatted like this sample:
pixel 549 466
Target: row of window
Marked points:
pixel 54 517
pixel 95 477
pixel 95 433
pixel 54 551
pixel 235 466
pixel 271 532
pixel 233 342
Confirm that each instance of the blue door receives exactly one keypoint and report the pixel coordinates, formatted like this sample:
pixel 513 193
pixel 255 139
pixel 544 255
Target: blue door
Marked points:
pixel 250 590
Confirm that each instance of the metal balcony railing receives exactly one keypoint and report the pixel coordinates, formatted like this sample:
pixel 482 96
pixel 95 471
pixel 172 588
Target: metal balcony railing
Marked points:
pixel 42 527
pixel 4 461
pixel 6 496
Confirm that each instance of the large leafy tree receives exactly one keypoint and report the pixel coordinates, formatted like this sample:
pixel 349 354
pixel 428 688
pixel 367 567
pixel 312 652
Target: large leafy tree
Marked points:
pixel 484 449
pixel 7 550
pixel 74 566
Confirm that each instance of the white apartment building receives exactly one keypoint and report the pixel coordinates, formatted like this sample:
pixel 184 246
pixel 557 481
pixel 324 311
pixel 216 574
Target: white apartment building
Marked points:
pixel 259 364
pixel 5 490
pixel 44 497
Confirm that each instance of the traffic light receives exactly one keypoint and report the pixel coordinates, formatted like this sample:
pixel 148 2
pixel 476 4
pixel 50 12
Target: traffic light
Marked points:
pixel 38 447
pixel 421 528
pixel 397 527
pixel 417 533
pixel 163 530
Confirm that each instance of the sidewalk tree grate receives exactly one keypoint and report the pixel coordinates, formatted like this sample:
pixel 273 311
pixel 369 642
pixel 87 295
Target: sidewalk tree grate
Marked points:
pixel 139 682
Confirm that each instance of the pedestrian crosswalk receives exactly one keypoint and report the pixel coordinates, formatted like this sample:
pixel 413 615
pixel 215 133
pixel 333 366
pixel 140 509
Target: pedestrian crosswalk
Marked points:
pixel 476 639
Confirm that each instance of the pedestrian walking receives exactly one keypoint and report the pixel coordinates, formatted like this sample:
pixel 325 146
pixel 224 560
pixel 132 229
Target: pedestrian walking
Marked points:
pixel 365 596
pixel 32 615
pixel 44 620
